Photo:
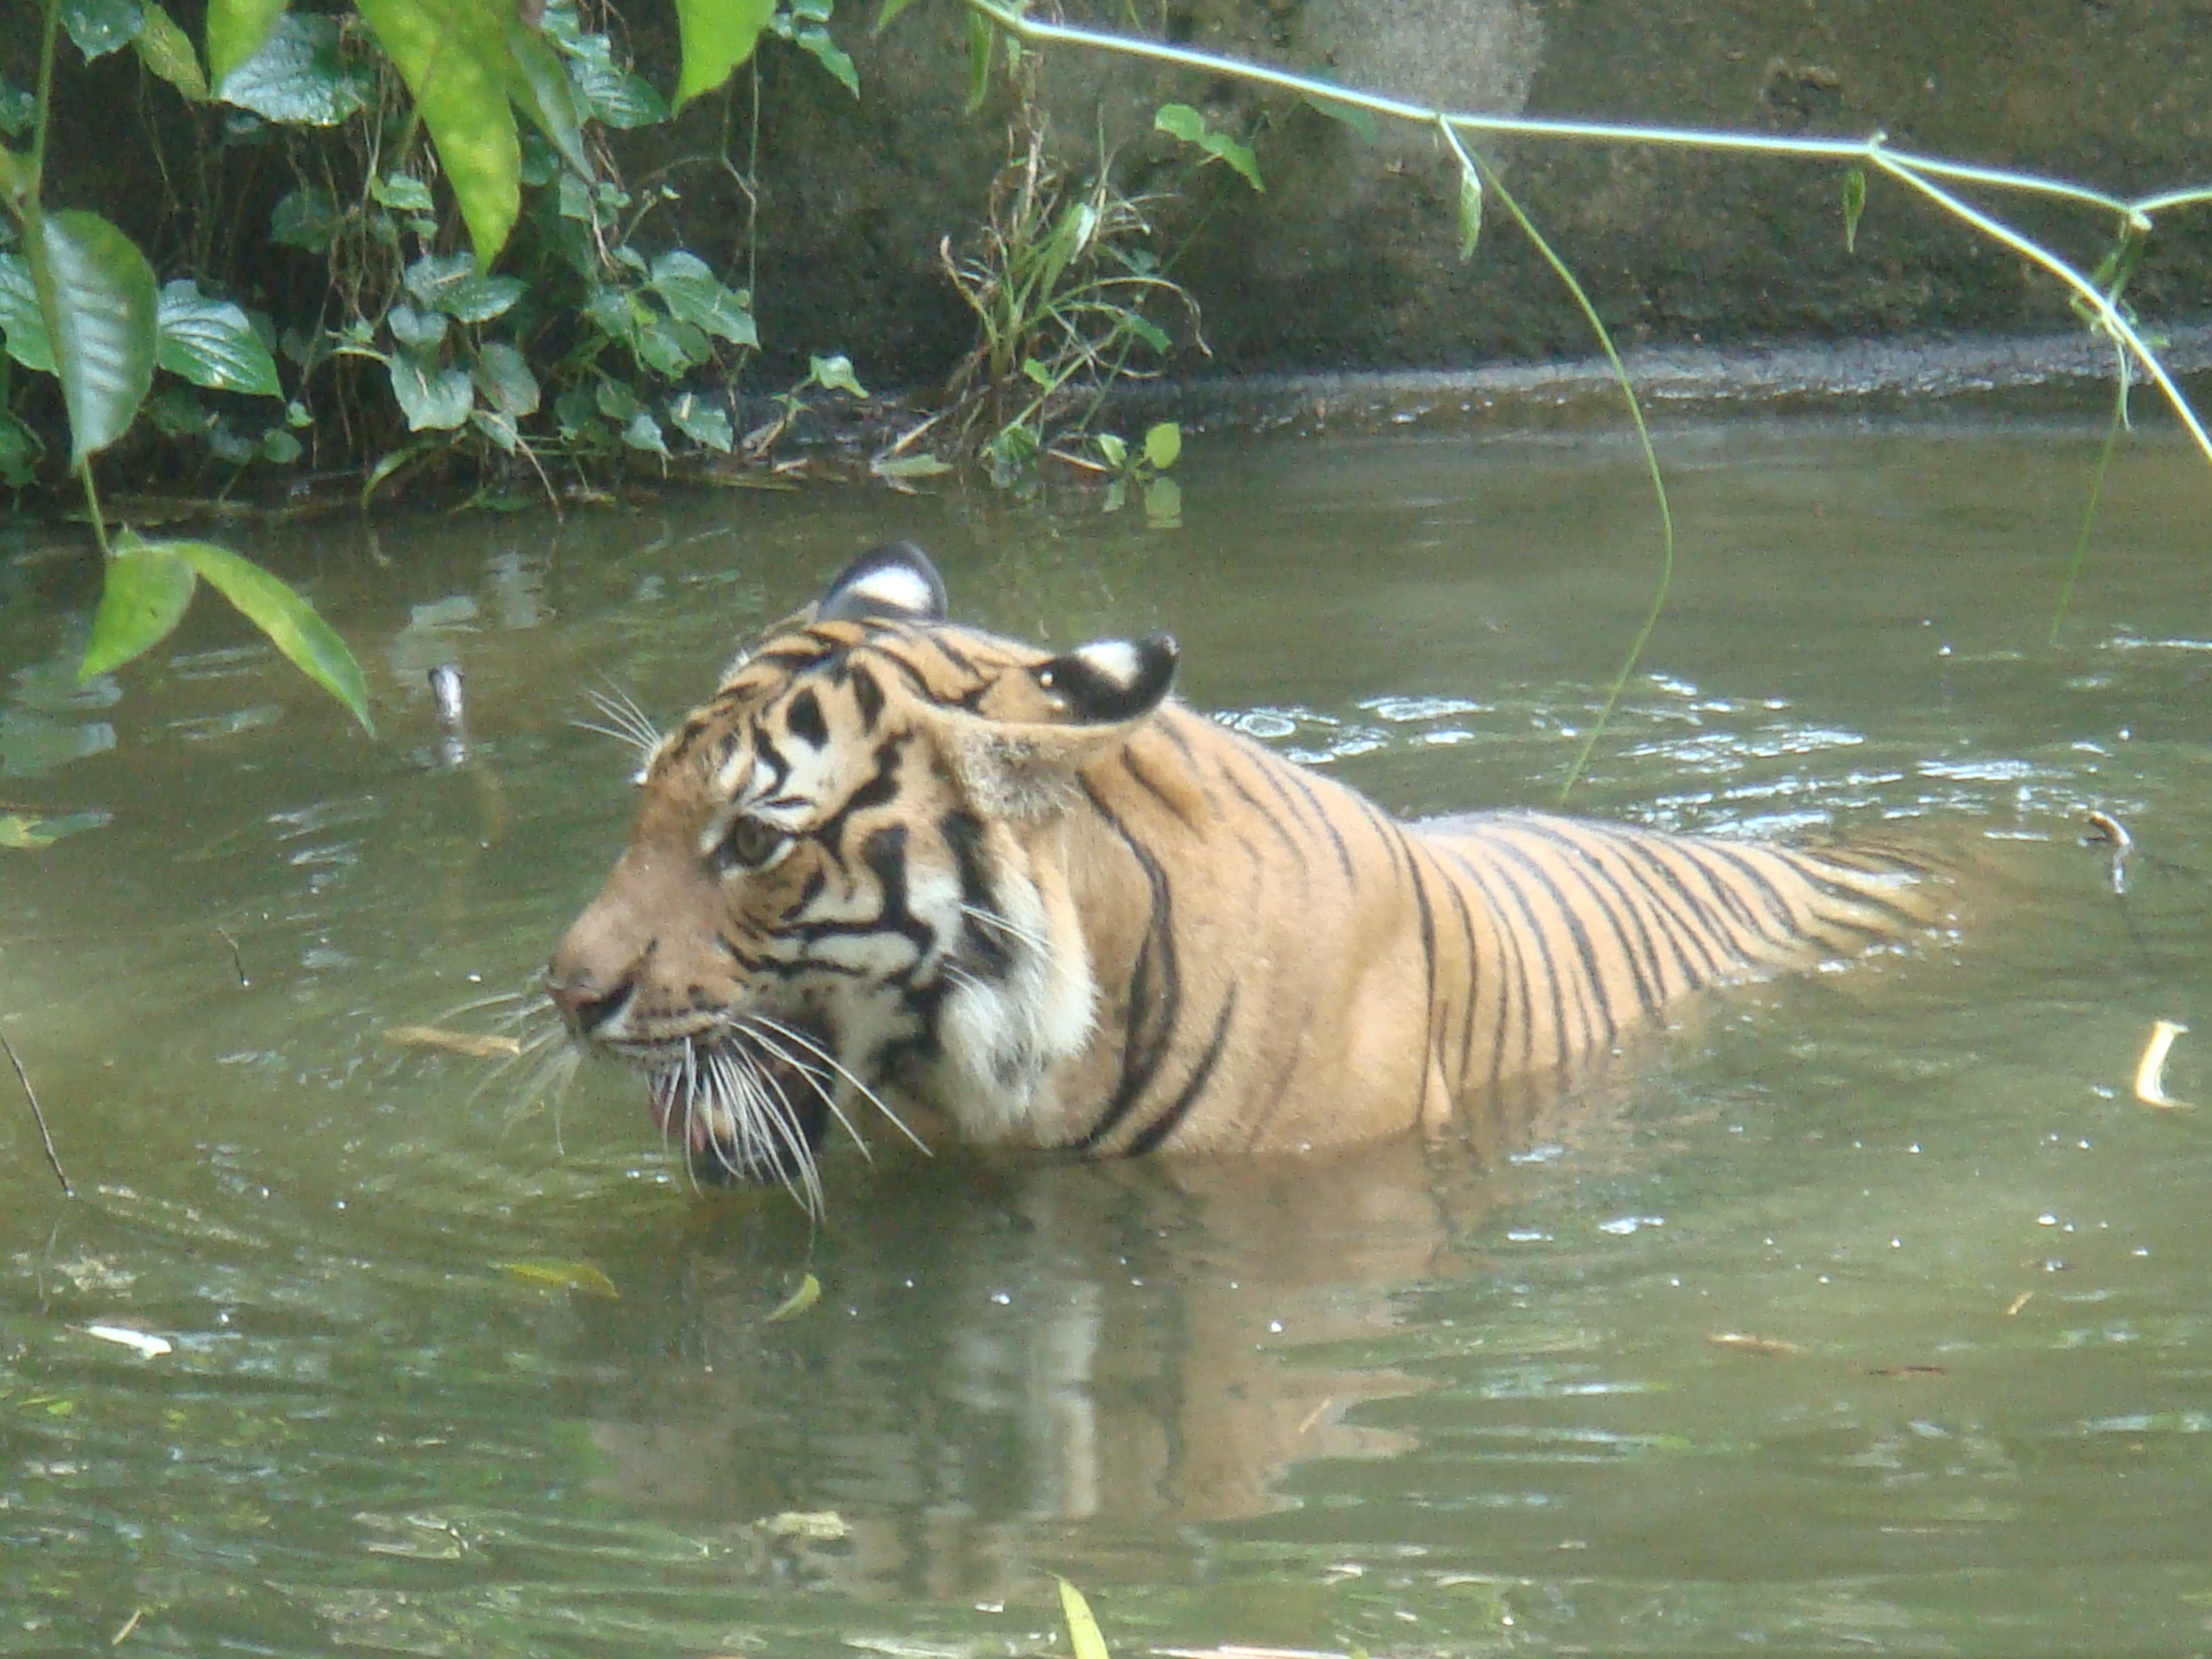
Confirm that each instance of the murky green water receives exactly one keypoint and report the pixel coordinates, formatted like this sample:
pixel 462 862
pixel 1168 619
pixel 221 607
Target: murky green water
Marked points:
pixel 1450 1403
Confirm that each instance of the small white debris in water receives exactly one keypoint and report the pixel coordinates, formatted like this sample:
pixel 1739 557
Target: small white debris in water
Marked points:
pixel 2046 1219
pixel 1621 1227
pixel 146 1347
pixel 1000 1297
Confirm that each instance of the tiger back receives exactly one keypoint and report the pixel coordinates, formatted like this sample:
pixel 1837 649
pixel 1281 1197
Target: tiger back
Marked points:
pixel 899 866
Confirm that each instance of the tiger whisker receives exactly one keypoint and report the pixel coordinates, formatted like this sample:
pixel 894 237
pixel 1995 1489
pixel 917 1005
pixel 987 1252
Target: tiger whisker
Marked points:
pixel 786 1121
pixel 791 1034
pixel 814 1081
pixel 1006 925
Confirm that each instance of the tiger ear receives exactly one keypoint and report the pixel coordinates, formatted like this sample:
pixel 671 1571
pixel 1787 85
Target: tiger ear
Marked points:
pixel 1018 757
pixel 897 581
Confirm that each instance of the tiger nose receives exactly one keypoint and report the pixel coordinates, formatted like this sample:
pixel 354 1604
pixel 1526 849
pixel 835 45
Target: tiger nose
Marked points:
pixel 586 1001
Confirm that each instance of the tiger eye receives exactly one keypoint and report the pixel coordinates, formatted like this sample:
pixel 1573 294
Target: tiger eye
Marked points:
pixel 750 844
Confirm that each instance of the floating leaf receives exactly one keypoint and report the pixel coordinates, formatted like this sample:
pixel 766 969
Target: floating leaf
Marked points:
pixel 692 294
pixel 908 466
pixel 143 598
pixel 808 1293
pixel 563 1275
pixel 168 51
pixel 717 36
pixel 1082 1633
pixel 1854 205
pixel 307 642
pixel 434 398
pixel 100 26
pixel 454 60
pixel 236 30
pixel 33 832
pixel 295 76
pixel 1164 444
pixel 96 293
pixel 212 343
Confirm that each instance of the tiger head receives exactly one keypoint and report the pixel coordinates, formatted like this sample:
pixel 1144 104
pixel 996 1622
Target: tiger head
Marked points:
pixel 845 880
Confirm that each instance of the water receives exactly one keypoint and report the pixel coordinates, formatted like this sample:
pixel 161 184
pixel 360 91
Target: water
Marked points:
pixel 1454 1402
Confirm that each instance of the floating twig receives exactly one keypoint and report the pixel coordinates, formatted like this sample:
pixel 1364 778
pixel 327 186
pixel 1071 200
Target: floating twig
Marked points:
pixel 129 1624
pixel 474 1045
pixel 1773 1347
pixel 2106 830
pixel 2018 1303
pixel 2150 1070
pixel 38 1116
pixel 237 957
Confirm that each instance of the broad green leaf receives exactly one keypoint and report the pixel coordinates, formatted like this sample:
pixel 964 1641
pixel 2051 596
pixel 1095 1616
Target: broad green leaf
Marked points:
pixel 537 81
pixel 1163 503
pixel 1082 1633
pixel 623 101
pixel 141 599
pixel 402 192
pixel 280 448
pixel 20 321
pixel 433 398
pixel 452 284
pixel 420 331
pixel 499 429
pixel 310 643
pixel 817 41
pixel 20 450
pixel 1164 444
pixel 236 30
pixel 1360 120
pixel 889 14
pixel 453 57
pixel 168 51
pixel 1111 447
pixel 296 77
pixel 1180 121
pixel 1854 205
pixel 644 433
pixel 702 422
pixel 100 26
pixel 212 343
pixel 693 295
pixel 618 399
pixel 503 376
pixel 1470 212
pixel 717 36
pixel 982 39
pixel 1239 156
pixel 306 218
pixel 670 347
pixel 835 374
pixel 96 293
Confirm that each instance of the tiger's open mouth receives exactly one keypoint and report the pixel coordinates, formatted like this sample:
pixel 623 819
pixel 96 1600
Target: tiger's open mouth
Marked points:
pixel 742 1115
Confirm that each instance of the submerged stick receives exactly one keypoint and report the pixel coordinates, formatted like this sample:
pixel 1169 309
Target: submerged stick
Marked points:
pixel 38 1116
pixel 2150 1070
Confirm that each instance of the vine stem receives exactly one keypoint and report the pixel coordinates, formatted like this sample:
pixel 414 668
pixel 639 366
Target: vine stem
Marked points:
pixel 1473 164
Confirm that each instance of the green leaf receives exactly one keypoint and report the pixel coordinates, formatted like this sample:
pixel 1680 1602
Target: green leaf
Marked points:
pixel 297 78
pixel 1163 503
pixel 669 348
pixel 618 399
pixel 310 643
pixel 693 295
pixel 1180 121
pixel 1111 447
pixel 816 41
pixel 452 284
pixel 280 448
pixel 1360 120
pixel 717 36
pixel 808 1293
pixel 212 343
pixel 623 101
pixel 29 832
pixel 1239 156
pixel 702 422
pixel 20 450
pixel 1854 205
pixel 537 81
pixel 96 293
pixel 644 433
pixel 168 51
pixel 142 600
pixel 889 14
pixel 1164 444
pixel 836 374
pixel 22 323
pixel 1082 1633
pixel 305 218
pixel 402 192
pixel 503 375
pixel 908 466
pixel 452 55
pixel 100 26
pixel 433 398
pixel 982 39
pixel 236 30
pixel 1470 212
pixel 420 331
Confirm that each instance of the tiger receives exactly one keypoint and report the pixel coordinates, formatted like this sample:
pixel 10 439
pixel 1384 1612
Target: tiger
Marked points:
pixel 1033 897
